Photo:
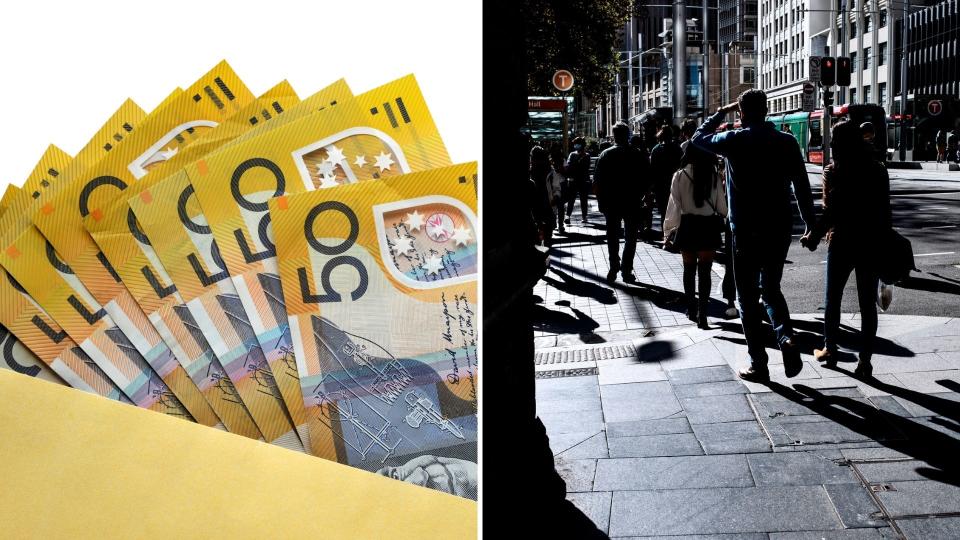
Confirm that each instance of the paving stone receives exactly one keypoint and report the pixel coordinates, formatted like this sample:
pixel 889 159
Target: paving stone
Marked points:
pixel 925 344
pixel 921 362
pixel 639 401
pixel 596 506
pixel 715 409
pixel 733 536
pixel 923 529
pixel 662 348
pixel 926 381
pixel 722 510
pixel 570 422
pixel 565 441
pixel 854 506
pixel 695 355
pixel 732 437
pixel 578 474
pixel 631 373
pixel 852 534
pixel 797 469
pixel 867 454
pixel 546 406
pixel 639 428
pixel 942 404
pixel 923 497
pixel 594 447
pixel 891 405
pixel 701 375
pixel 672 473
pixel 568 388
pixel 678 444
pixel 723 388
pixel 893 471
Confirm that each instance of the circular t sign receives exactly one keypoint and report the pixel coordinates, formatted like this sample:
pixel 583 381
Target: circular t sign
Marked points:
pixel 563 80
pixel 935 107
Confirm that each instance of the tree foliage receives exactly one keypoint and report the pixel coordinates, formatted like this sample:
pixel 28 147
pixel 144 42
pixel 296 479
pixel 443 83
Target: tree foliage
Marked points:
pixel 578 35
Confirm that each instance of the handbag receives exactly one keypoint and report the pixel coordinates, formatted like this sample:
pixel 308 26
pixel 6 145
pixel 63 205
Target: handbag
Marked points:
pixel 896 262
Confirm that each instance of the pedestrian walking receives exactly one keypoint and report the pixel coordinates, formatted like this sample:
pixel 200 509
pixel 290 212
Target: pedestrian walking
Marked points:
pixel 856 214
pixel 646 202
pixel 695 217
pixel 762 163
pixel 578 177
pixel 941 141
pixel 621 177
pixel 545 188
pixel 562 188
pixel 664 162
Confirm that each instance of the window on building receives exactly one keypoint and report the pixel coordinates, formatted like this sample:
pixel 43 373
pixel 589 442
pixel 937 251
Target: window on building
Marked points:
pixel 882 57
pixel 853 30
pixel 866 58
pixel 867 94
pixel 748 75
pixel 883 93
pixel 853 61
pixel 883 18
pixel 866 24
pixel 853 95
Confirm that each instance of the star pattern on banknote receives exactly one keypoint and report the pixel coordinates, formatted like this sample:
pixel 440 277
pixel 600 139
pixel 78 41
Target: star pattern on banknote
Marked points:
pixel 360 161
pixel 403 245
pixel 325 168
pixel 384 162
pixel 335 155
pixel 414 221
pixel 461 236
pixel 328 181
pixel 433 265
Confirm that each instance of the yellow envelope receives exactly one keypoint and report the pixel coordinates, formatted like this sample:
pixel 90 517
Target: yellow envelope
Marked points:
pixel 380 282
pixel 385 132
pixel 115 455
pixel 159 137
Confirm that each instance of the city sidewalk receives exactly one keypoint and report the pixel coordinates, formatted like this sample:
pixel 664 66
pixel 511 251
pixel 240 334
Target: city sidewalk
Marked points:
pixel 657 438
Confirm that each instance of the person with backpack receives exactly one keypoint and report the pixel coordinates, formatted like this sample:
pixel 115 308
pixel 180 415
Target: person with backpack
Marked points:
pixel 695 213
pixel 762 165
pixel 621 178
pixel 664 162
pixel 856 215
pixel 578 176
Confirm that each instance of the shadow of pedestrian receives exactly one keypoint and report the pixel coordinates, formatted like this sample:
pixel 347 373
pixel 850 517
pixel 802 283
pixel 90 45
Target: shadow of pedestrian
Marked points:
pixel 808 336
pixel 929 285
pixel 938 405
pixel 558 322
pixel 655 351
pixel 936 449
pixel 571 237
pixel 577 287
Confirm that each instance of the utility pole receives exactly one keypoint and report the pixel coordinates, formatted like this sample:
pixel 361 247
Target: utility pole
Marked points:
pixel 630 108
pixel 679 61
pixel 903 84
pixel 706 62
pixel 827 117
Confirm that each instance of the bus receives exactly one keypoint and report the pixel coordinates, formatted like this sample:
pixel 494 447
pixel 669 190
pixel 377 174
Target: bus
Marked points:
pixel 811 137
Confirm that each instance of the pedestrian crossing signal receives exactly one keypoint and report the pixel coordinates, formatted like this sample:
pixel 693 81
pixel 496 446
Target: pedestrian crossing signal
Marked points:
pixel 843 71
pixel 828 71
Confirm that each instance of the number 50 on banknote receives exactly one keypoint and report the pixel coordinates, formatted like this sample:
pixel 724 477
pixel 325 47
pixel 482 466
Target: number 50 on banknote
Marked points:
pixel 380 283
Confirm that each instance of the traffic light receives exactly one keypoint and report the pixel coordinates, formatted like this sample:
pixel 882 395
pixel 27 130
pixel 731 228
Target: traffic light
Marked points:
pixel 843 71
pixel 827 97
pixel 828 71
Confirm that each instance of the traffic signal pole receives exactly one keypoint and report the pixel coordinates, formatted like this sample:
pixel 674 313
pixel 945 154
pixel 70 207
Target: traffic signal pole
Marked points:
pixel 903 85
pixel 827 114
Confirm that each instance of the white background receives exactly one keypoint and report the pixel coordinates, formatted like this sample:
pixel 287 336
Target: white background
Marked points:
pixel 66 66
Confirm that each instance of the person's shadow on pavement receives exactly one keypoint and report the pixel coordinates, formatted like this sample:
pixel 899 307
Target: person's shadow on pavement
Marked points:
pixel 578 287
pixel 936 449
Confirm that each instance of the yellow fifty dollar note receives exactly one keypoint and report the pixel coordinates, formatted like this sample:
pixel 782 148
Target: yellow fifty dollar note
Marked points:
pixel 380 282
pixel 385 132
pixel 164 133
pixel 131 253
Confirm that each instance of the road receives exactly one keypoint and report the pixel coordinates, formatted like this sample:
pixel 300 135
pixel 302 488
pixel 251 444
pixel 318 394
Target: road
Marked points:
pixel 926 210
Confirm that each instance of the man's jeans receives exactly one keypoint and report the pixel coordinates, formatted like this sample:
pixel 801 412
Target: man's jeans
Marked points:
pixel 613 241
pixel 757 267
pixel 844 257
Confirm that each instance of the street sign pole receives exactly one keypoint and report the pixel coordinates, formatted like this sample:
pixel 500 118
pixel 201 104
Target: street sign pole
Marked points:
pixel 827 117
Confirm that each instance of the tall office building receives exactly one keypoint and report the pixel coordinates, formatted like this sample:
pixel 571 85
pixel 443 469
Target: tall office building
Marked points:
pixel 787 29
pixel 737 50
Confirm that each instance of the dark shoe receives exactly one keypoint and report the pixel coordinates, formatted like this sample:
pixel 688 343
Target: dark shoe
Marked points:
pixel 692 310
pixel 825 355
pixel 567 221
pixel 702 322
pixel 562 230
pixel 864 367
pixel 792 365
pixel 612 275
pixel 753 374
pixel 628 277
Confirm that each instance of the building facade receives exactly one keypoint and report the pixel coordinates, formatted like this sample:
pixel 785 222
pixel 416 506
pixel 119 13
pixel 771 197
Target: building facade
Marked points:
pixel 787 28
pixel 866 33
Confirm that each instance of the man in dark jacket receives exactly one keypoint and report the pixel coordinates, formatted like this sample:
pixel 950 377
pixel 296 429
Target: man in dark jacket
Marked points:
pixel 664 161
pixel 762 163
pixel 578 174
pixel 621 179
